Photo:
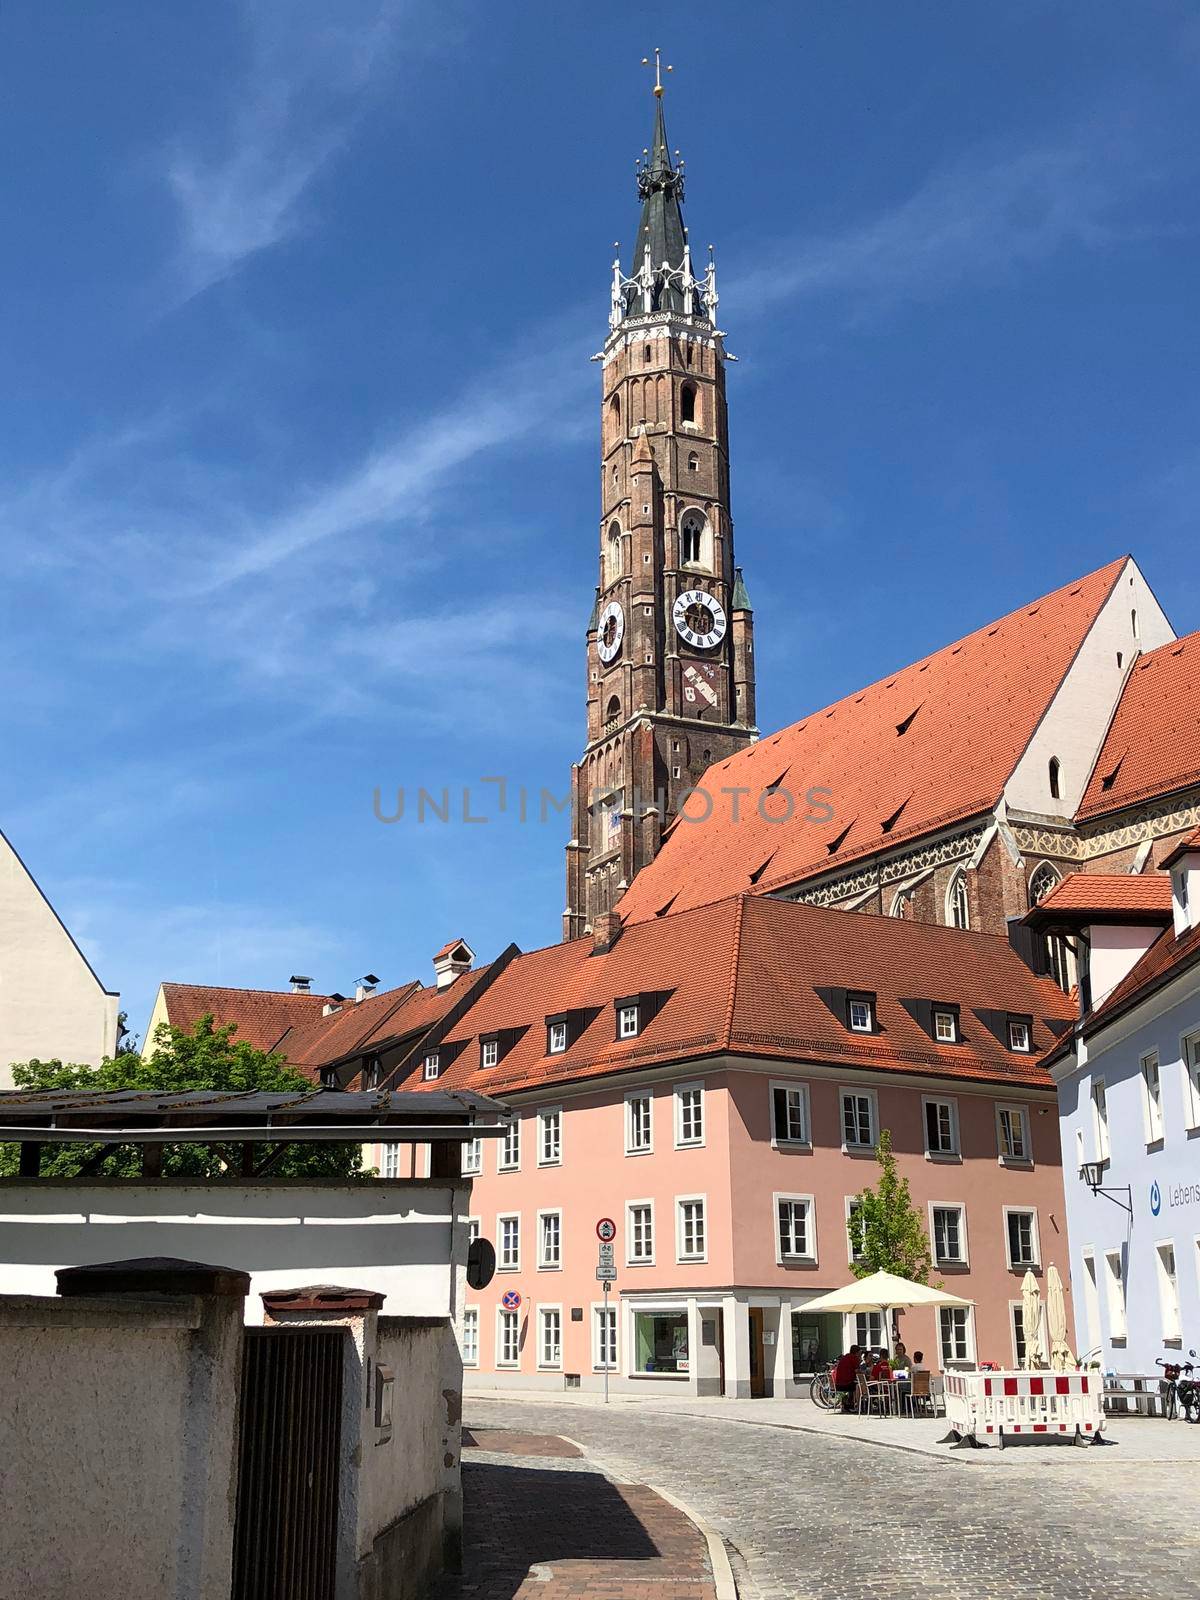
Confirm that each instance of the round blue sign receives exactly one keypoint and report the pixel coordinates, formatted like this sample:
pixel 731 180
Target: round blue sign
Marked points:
pixel 511 1300
pixel 1155 1199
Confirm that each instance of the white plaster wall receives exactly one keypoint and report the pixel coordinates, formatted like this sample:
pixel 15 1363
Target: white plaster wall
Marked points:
pixel 1115 951
pixel 117 1442
pixel 52 1005
pixel 1077 719
pixel 391 1237
pixel 407 1468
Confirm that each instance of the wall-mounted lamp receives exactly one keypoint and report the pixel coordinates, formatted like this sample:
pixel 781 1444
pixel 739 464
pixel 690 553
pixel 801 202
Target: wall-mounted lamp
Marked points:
pixel 1092 1173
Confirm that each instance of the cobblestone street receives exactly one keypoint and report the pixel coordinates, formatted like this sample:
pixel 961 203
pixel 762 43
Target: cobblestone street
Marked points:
pixel 814 1517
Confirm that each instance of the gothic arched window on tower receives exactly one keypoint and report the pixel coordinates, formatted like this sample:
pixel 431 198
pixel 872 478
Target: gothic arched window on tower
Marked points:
pixel 612 714
pixel 612 553
pixel 687 403
pixel 693 462
pixel 958 910
pixel 614 416
pixel 691 539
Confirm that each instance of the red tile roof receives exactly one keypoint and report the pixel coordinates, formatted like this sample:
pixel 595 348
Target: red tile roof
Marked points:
pixel 263 1016
pixel 1153 743
pixel 742 976
pixel 930 745
pixel 1106 896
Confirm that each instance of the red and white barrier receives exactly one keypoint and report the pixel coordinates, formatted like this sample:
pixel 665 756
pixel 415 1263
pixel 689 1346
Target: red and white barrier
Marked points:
pixel 1024 1402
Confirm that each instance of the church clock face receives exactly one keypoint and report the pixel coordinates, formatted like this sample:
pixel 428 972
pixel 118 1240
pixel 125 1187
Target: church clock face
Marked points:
pixel 699 618
pixel 610 631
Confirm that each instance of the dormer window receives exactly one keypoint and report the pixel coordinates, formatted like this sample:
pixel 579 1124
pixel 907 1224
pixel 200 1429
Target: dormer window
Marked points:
pixel 945 1027
pixel 556 1038
pixel 489 1052
pixel 627 1022
pixel 1019 1035
pixel 860 1013
pixel 432 1065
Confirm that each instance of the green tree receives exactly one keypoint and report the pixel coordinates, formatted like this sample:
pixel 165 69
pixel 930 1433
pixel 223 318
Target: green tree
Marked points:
pixel 207 1057
pixel 886 1229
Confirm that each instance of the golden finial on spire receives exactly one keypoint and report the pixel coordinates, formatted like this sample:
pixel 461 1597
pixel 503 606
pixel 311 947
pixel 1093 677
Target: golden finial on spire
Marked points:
pixel 658 71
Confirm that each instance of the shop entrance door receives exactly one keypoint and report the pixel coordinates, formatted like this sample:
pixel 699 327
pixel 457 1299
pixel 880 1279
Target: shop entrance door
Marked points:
pixel 758 1383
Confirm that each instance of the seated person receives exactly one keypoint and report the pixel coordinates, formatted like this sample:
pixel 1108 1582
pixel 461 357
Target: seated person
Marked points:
pixel 845 1376
pixel 881 1372
pixel 899 1356
pixel 918 1361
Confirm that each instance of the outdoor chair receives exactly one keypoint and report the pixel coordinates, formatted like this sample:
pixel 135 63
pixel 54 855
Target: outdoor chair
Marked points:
pixel 937 1396
pixel 919 1398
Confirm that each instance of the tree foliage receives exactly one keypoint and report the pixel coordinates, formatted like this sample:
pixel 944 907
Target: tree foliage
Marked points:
pixel 208 1058
pixel 886 1229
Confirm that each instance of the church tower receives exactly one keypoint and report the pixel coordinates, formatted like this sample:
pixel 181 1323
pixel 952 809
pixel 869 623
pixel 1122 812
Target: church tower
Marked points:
pixel 670 644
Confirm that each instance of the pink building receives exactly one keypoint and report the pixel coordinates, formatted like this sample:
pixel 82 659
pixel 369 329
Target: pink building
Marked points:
pixel 715 1083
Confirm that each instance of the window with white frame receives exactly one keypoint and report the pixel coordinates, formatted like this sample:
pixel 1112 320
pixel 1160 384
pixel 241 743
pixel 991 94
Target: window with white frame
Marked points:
pixel 868 1330
pixel 1012 1133
pixel 1016 1321
pixel 638 1134
pixel 858 1120
pixel 1091 1304
pixel 627 1022
pixel 549 1336
pixel 1021 1227
pixel 1168 1290
pixel 1100 1119
pixel 639 1233
pixel 1152 1109
pixel 860 1013
pixel 854 1228
pixel 1114 1293
pixel 948 1226
pixel 473 1229
pixel 391 1160
pixel 604 1338
pixel 470 1336
pixel 508 1338
pixel 689 1114
pixel 692 1241
pixel 510 1147
pixel 472 1157
pixel 549 1136
pixel 945 1027
pixel 789 1113
pixel 556 1038
pixel 1191 1067
pixel 549 1239
pixel 941 1128
pixel 508 1238
pixel 1019 1035
pixel 432 1064
pixel 954 1330
pixel 489 1052
pixel 795 1235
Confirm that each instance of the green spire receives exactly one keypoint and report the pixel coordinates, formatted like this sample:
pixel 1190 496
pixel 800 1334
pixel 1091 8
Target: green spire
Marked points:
pixel 740 600
pixel 661 229
pixel 594 619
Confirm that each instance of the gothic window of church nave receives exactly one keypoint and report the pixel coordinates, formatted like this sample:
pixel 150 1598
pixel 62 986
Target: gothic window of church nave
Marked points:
pixel 902 905
pixel 958 910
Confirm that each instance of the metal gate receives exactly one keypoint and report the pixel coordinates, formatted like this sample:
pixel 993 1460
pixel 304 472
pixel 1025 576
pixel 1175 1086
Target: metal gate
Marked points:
pixel 285 1537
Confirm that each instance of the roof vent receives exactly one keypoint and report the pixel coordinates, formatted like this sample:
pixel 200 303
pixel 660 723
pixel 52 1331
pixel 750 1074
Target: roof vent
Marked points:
pixel 451 961
pixel 364 986
pixel 300 985
pixel 903 727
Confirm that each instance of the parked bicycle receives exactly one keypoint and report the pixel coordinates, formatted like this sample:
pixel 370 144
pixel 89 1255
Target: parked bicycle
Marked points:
pixel 1179 1390
pixel 821 1390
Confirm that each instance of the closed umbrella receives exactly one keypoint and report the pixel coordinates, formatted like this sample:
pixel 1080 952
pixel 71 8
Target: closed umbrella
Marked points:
pixel 885 1292
pixel 1031 1321
pixel 1061 1359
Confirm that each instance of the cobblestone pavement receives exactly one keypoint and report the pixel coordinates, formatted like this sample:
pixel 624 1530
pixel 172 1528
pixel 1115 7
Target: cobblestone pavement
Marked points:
pixel 544 1524
pixel 817 1516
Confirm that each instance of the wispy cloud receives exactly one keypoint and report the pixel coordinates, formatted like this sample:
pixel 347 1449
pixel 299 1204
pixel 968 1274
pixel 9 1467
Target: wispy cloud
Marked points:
pixel 983 216
pixel 309 70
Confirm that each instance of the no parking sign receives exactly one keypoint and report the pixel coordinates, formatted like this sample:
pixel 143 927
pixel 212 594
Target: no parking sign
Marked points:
pixel 510 1300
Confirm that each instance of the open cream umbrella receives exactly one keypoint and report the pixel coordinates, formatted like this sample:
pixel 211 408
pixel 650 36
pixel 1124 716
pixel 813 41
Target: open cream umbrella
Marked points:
pixel 885 1292
pixel 1031 1322
pixel 1061 1359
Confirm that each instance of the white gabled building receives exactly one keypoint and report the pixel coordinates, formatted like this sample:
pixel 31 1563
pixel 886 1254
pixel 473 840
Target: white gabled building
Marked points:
pixel 52 1005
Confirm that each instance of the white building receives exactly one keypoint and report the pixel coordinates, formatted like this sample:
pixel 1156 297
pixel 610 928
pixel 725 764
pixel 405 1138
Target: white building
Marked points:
pixel 52 1005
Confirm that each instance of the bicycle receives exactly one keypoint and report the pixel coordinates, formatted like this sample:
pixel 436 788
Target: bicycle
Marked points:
pixel 821 1391
pixel 1178 1391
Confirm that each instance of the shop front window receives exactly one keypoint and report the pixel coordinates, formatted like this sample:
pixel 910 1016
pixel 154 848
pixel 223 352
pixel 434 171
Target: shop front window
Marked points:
pixel 661 1341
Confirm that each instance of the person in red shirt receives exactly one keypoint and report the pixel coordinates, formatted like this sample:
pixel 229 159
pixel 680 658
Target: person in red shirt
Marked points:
pixel 845 1376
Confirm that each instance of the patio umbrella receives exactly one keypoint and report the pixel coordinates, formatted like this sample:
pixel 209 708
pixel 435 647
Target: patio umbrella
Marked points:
pixel 1031 1322
pixel 885 1292
pixel 1061 1359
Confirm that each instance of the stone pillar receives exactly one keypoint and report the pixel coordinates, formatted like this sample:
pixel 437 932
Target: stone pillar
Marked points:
pixel 782 1365
pixel 737 1348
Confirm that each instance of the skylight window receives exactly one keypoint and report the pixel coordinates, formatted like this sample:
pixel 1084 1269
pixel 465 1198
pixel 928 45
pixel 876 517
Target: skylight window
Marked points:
pixel 860 1012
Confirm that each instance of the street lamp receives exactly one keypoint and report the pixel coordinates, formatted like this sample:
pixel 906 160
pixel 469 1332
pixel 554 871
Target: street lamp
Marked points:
pixel 1092 1173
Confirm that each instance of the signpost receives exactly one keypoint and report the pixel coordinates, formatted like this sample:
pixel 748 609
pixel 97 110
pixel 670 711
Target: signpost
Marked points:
pixel 606 1272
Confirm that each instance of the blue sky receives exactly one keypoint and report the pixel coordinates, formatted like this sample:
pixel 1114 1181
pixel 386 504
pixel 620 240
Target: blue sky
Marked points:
pixel 298 465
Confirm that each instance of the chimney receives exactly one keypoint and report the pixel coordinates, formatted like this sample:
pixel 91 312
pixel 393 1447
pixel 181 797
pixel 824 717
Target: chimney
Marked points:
pixel 300 985
pixel 365 986
pixel 606 930
pixel 451 961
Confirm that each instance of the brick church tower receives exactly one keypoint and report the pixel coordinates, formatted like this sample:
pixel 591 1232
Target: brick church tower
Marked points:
pixel 670 644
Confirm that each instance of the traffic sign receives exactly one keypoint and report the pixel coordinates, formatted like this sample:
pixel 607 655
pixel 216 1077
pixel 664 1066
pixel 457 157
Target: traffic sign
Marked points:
pixel 606 1230
pixel 510 1300
pixel 606 1274
pixel 605 1251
